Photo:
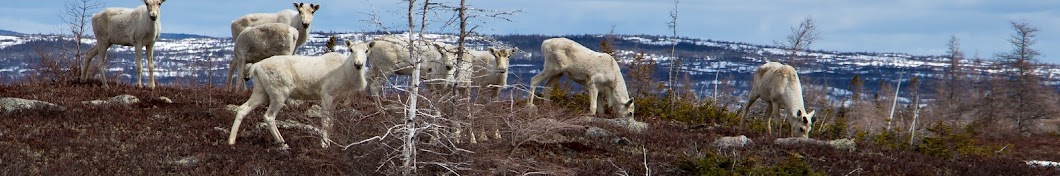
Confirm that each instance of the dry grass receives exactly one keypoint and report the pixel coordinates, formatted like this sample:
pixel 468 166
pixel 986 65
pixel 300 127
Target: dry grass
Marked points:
pixel 146 138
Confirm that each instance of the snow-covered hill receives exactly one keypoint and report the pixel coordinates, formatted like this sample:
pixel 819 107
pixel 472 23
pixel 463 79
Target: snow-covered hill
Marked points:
pixel 193 58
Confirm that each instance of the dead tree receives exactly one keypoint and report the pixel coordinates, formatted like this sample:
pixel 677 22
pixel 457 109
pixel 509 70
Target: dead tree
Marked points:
pixel 76 15
pixel 675 63
pixel 800 39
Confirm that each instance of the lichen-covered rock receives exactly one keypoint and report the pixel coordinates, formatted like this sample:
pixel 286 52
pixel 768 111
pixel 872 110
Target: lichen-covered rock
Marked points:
pixel 843 144
pixel 597 132
pixel 124 99
pixel 732 142
pixel 183 162
pixel 232 108
pixel 629 123
pixel 839 144
pixel 165 99
pixel 290 124
pixel 9 104
pixel 315 111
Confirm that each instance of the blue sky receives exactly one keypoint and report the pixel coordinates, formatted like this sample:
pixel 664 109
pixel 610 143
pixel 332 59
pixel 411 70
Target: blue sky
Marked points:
pixel 909 26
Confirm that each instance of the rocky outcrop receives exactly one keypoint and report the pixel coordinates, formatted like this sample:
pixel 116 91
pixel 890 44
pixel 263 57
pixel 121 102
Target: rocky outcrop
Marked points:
pixel 838 144
pixel 628 123
pixel 9 104
pixel 125 99
pixel 729 142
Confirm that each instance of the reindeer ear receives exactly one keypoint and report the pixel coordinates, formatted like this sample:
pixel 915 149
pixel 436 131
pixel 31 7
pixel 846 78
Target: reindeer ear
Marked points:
pixel 440 48
pixel 297 5
pixel 316 7
pixel 496 53
pixel 630 102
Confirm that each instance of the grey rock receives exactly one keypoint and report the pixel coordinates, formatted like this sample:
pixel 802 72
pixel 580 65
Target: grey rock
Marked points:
pixel 165 99
pixel 125 99
pixel 315 111
pixel 843 144
pixel 620 141
pixel 596 132
pixel 732 142
pixel 290 124
pixel 839 144
pixel 232 108
pixel 183 162
pixel 798 141
pixel 9 104
pixel 629 123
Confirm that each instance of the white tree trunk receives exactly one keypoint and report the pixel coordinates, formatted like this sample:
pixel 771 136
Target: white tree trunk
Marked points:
pixel 897 89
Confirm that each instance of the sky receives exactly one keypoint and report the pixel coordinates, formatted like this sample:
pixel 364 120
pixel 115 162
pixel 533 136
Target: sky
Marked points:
pixel 920 27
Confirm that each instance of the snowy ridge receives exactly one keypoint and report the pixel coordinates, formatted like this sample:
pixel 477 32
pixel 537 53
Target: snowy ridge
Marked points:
pixel 200 58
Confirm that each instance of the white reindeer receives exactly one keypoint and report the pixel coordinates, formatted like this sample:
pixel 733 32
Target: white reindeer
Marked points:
pixel 485 69
pixel 300 19
pixel 259 42
pixel 390 55
pixel 138 27
pixel 778 85
pixel 325 78
pixel 598 72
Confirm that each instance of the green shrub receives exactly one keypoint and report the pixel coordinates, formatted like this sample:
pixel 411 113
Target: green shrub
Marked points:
pixel 891 140
pixel 949 142
pixel 835 130
pixel 714 164
pixel 689 112
pixel 684 111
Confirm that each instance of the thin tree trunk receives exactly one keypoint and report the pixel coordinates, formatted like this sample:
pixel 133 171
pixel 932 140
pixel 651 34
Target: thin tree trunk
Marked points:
pixel 897 89
pixel 409 149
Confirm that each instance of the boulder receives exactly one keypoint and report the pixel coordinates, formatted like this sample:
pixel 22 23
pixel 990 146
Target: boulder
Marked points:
pixel 232 108
pixel 165 99
pixel 839 144
pixel 10 104
pixel 597 132
pixel 125 99
pixel 290 124
pixel 732 142
pixel 182 162
pixel 628 123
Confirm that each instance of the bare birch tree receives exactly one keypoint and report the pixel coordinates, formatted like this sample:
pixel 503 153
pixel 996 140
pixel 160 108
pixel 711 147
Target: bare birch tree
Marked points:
pixel 800 39
pixel 76 15
pixel 675 63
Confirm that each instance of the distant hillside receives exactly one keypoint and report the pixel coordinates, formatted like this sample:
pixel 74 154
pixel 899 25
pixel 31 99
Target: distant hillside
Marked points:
pixel 7 32
pixel 178 36
pixel 190 57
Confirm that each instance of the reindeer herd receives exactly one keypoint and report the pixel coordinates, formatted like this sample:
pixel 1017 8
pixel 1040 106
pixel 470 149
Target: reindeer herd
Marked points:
pixel 265 44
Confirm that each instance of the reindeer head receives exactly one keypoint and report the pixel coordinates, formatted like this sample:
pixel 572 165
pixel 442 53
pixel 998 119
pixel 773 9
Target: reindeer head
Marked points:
pixel 359 56
pixel 806 121
pixel 305 13
pixel 501 57
pixel 446 66
pixel 153 8
pixel 627 109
